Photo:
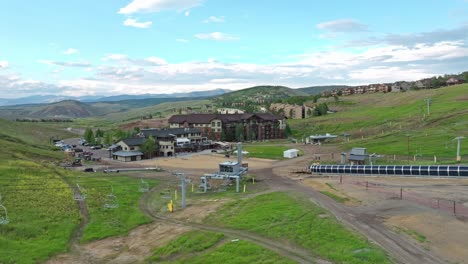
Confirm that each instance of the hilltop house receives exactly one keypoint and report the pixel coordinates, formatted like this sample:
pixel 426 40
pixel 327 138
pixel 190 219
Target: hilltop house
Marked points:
pixel 454 81
pixel 401 87
pixel 291 111
pixel 252 126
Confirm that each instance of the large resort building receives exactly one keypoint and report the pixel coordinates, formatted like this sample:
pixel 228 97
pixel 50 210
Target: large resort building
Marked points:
pixel 251 126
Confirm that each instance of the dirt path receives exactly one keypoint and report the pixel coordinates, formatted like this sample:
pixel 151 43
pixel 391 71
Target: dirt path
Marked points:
pixel 292 252
pixel 78 233
pixel 399 248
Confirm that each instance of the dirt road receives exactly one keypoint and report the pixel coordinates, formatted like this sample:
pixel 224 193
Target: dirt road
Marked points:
pixel 399 248
pixel 294 253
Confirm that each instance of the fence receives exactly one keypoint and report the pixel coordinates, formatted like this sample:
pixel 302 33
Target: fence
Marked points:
pixel 447 206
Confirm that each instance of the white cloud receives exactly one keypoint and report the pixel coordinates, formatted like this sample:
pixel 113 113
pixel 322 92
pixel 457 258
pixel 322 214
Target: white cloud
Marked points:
pixel 119 73
pixel 343 25
pixel 214 19
pixel 181 40
pixel 66 63
pixel 71 51
pixel 388 74
pixel 187 13
pixel 431 37
pixel 130 22
pixel 115 56
pixel 156 60
pixel 3 64
pixel 150 6
pixel 218 36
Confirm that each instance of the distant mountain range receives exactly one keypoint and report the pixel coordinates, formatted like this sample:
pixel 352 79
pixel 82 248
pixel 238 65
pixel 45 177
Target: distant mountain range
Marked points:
pixel 47 99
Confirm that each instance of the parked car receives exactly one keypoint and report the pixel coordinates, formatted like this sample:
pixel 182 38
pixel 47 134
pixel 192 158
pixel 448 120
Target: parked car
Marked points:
pixel 89 170
pixel 95 147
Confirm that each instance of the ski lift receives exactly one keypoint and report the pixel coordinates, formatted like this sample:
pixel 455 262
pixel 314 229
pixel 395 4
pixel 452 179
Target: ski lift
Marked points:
pixel 144 186
pixel 79 193
pixel 3 215
pixel 110 201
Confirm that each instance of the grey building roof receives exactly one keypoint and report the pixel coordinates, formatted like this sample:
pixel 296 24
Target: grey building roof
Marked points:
pixel 169 132
pixel 133 141
pixel 357 157
pixel 358 151
pixel 127 153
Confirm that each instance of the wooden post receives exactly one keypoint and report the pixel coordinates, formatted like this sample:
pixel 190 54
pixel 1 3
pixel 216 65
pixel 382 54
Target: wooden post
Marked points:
pixel 253 180
pixel 341 179
pixel 244 187
pixel 367 185
pixel 401 193
pixel 454 208
pixel 175 195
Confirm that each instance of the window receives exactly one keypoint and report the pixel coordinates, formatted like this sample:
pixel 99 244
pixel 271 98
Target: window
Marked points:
pixel 219 123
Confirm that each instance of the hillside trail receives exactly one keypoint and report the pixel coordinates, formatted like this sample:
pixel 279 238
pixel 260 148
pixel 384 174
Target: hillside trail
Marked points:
pixel 400 249
pixel 292 252
pixel 78 232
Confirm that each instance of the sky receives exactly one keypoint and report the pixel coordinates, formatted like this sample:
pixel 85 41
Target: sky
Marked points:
pixel 81 48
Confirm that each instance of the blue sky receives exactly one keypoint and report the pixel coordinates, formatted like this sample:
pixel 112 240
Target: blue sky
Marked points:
pixel 160 46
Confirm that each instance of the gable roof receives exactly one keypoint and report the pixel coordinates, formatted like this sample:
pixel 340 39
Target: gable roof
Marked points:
pixel 133 141
pixel 168 132
pixel 207 118
pixel 127 153
pixel 193 118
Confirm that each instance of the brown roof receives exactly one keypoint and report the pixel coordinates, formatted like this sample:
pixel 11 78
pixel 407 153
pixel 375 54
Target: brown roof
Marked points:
pixel 207 118
pixel 192 118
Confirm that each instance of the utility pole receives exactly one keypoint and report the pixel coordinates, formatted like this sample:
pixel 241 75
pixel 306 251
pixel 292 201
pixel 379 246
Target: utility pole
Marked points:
pixel 458 139
pixel 428 101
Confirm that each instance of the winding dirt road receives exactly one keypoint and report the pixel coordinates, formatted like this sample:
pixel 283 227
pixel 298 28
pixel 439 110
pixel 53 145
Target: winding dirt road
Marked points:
pixel 297 254
pixel 399 248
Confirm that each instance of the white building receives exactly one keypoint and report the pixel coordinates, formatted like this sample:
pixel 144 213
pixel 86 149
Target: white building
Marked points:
pixel 290 153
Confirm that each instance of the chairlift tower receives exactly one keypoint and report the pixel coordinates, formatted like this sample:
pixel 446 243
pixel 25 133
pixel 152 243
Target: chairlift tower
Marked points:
pixel 458 139
pixel 428 102
pixel 183 186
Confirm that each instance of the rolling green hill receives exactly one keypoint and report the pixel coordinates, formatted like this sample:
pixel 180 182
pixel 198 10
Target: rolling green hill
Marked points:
pixel 70 109
pixel 251 99
pixel 384 123
pixel 313 90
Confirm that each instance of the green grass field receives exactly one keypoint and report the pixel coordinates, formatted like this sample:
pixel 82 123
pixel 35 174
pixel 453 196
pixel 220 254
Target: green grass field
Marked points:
pixel 383 122
pixel 274 152
pixel 41 209
pixel 201 247
pixel 290 218
pixel 106 222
